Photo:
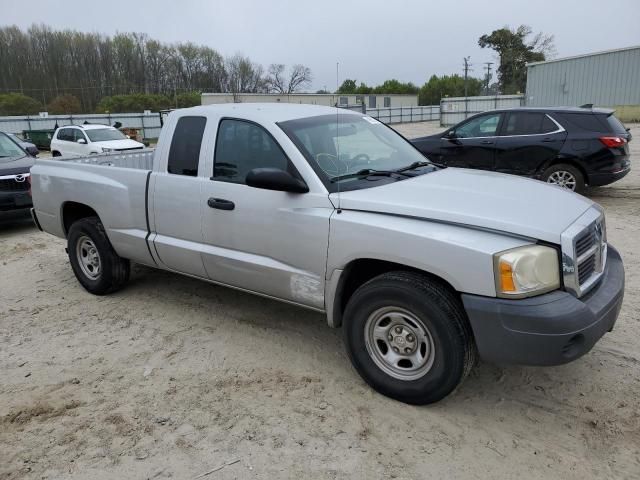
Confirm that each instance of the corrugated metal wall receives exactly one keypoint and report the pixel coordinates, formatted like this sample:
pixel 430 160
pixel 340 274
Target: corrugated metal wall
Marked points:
pixel 604 79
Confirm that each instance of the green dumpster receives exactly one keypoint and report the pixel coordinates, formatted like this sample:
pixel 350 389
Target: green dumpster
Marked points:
pixel 40 138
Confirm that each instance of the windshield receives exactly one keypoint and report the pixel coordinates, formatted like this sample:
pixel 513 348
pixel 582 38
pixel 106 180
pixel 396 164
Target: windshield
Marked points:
pixel 9 150
pixel 339 145
pixel 104 134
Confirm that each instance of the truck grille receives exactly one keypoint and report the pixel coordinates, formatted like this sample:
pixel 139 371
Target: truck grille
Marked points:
pixel 584 251
pixel 11 185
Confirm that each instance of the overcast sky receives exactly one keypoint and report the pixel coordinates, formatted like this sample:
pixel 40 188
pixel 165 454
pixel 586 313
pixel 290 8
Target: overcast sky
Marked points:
pixel 372 40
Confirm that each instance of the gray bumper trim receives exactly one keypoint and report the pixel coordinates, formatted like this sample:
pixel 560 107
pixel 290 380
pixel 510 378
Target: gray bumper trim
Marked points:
pixel 550 329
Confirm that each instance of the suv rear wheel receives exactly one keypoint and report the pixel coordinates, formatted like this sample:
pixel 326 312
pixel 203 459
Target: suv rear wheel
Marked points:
pixel 408 337
pixel 565 176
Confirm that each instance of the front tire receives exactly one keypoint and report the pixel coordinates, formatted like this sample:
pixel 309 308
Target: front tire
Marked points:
pixel 95 263
pixel 408 337
pixel 565 176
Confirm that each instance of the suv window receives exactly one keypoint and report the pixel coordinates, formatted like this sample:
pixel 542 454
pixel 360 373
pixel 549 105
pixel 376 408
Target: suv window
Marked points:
pixel 528 123
pixel 483 126
pixel 581 121
pixel 78 134
pixel 184 153
pixel 65 134
pixel 242 146
pixel 616 125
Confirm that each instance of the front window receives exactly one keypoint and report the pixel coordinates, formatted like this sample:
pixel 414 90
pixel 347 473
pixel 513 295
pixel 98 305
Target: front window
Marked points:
pixel 105 134
pixel 483 126
pixel 338 145
pixel 9 149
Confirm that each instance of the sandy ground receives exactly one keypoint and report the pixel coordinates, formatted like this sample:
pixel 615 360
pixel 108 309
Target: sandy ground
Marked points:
pixel 173 377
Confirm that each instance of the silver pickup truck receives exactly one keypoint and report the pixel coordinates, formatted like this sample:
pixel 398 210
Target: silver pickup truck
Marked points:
pixel 425 268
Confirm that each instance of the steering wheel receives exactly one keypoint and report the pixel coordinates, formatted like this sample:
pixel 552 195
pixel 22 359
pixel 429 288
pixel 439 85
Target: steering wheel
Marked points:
pixel 330 164
pixel 361 158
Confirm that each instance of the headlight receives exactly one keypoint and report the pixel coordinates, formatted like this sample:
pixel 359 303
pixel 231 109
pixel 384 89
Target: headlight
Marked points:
pixel 107 150
pixel 526 271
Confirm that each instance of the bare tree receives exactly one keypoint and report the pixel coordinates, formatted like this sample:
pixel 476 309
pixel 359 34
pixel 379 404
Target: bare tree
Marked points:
pixel 299 78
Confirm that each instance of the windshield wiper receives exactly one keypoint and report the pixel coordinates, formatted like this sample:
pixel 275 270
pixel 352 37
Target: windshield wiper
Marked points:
pixel 415 165
pixel 368 172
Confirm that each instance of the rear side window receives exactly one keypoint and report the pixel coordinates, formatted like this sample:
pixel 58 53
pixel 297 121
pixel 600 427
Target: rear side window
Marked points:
pixel 528 123
pixel 242 146
pixel 615 125
pixel 587 122
pixel 65 134
pixel 184 153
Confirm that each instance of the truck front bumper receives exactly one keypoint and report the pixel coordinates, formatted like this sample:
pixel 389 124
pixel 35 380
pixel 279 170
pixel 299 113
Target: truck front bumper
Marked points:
pixel 550 329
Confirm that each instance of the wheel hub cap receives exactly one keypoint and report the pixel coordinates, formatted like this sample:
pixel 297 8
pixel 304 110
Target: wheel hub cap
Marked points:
pixel 399 343
pixel 563 179
pixel 88 257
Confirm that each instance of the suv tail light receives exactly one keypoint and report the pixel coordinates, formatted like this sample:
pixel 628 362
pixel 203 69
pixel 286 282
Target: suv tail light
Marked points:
pixel 612 142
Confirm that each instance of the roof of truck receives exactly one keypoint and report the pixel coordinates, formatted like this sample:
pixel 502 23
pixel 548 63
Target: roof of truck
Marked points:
pixel 275 112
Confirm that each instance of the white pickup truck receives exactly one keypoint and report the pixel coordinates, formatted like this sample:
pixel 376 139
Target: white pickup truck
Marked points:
pixel 424 267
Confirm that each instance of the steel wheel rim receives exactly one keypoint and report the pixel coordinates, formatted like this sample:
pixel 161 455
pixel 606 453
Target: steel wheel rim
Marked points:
pixel 88 257
pixel 563 179
pixel 399 343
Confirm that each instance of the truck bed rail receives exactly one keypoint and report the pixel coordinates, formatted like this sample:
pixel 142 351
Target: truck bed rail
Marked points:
pixel 138 159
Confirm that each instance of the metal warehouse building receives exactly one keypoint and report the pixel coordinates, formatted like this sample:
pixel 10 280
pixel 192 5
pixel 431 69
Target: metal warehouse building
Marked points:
pixel 605 79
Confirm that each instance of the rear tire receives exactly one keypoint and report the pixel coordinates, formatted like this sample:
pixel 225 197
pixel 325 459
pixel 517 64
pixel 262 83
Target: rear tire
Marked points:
pixel 56 154
pixel 408 337
pixel 565 176
pixel 95 263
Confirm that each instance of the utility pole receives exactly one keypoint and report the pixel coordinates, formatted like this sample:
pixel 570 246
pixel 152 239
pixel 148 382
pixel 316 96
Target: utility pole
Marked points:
pixel 488 78
pixel 467 67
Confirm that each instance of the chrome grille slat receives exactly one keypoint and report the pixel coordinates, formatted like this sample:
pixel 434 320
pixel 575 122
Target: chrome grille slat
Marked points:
pixel 584 252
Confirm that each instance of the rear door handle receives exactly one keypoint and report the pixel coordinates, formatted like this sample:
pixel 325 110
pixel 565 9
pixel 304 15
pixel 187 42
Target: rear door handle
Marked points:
pixel 487 142
pixel 548 140
pixel 221 204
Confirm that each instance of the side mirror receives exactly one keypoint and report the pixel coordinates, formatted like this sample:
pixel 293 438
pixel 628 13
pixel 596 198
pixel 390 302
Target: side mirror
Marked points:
pixel 450 134
pixel 128 137
pixel 82 141
pixel 33 151
pixel 275 179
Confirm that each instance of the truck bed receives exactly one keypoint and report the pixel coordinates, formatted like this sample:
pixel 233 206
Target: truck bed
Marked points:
pixel 114 185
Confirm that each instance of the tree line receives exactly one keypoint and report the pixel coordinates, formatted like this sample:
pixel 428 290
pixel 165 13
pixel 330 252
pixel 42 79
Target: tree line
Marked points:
pixel 45 64
pixel 65 71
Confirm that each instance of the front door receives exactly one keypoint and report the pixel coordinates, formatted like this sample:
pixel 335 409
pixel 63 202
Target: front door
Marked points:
pixel 528 141
pixel 265 241
pixel 472 143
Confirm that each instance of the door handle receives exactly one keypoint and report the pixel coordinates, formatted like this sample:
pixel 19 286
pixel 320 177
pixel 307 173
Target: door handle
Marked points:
pixel 221 204
pixel 487 142
pixel 548 140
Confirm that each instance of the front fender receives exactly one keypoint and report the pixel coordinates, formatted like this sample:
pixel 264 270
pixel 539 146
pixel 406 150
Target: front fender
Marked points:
pixel 462 256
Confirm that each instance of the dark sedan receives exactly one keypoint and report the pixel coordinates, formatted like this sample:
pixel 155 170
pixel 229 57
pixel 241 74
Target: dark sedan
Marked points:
pixel 15 185
pixel 569 147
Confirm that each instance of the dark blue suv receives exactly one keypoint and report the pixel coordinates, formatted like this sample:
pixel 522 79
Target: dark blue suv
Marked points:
pixel 566 146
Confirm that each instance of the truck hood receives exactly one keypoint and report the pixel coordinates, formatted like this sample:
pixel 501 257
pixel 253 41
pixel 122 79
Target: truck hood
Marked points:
pixel 119 144
pixel 479 199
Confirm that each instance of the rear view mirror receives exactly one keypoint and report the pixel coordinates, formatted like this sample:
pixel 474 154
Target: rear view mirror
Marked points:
pixel 275 179
pixel 81 141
